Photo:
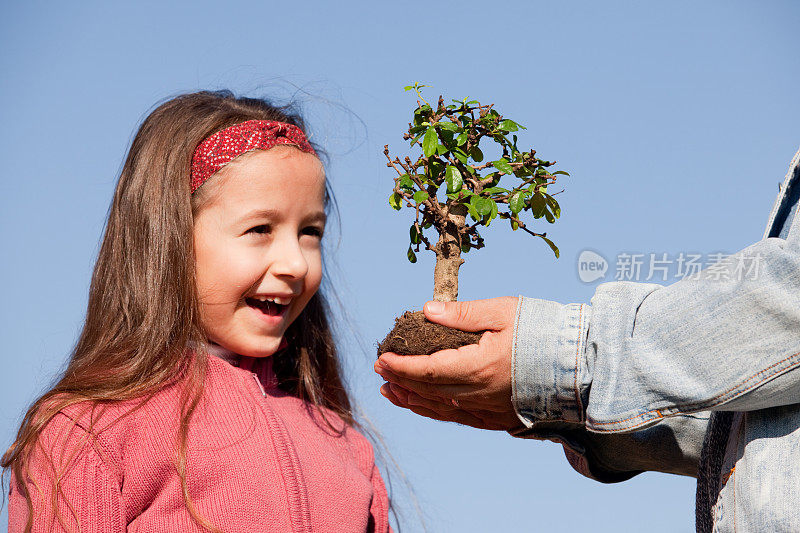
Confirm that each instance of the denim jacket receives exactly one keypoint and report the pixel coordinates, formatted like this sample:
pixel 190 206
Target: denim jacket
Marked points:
pixel 630 382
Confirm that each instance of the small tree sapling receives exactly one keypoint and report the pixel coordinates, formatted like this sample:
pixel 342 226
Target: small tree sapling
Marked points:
pixel 452 190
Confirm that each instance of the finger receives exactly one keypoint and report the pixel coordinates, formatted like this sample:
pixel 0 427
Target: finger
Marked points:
pixel 413 399
pixel 448 367
pixel 429 390
pixel 459 396
pixel 387 393
pixel 448 413
pixel 398 397
pixel 446 405
pixel 476 315
pixel 399 392
pixel 396 394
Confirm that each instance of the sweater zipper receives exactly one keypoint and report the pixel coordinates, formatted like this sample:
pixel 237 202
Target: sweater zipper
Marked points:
pixel 299 511
pixel 260 386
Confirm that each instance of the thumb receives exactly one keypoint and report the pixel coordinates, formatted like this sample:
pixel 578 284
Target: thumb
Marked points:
pixel 475 315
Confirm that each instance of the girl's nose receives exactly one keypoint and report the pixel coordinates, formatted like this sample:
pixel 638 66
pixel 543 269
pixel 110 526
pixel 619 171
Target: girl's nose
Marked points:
pixel 289 260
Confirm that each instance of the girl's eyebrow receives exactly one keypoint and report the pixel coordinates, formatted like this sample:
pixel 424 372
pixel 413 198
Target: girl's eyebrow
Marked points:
pixel 260 213
pixel 273 214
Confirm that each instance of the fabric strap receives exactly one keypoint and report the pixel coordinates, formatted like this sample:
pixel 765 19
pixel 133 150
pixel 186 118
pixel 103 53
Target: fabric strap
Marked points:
pixel 224 146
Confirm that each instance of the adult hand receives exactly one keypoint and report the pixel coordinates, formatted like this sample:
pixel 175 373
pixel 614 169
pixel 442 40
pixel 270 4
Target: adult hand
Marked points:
pixel 470 385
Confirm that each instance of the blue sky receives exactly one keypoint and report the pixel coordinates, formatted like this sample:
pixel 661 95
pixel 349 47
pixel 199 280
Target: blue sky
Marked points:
pixel 676 121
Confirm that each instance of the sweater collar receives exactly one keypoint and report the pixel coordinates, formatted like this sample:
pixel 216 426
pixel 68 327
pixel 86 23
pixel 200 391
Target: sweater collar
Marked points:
pixel 226 355
pixel 260 366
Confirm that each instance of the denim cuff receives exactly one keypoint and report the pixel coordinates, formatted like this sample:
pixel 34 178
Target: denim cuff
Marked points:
pixel 550 373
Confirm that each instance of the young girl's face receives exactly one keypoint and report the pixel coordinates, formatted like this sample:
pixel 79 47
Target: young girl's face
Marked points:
pixel 257 247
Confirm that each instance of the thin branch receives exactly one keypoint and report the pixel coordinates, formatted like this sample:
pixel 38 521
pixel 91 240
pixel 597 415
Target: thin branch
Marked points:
pixel 520 224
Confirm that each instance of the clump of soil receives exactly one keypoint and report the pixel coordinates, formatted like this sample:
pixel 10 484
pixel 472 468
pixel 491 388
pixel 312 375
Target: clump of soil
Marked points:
pixel 413 334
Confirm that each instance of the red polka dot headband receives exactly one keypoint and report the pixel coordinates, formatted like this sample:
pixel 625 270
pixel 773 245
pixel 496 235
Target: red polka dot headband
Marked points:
pixel 222 147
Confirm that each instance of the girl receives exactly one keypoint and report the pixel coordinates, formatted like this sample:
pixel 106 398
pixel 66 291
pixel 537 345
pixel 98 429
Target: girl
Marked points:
pixel 204 392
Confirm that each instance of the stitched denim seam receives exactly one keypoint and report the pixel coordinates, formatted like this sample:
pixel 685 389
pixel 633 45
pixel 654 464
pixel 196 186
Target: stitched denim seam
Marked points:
pixel 716 400
pixel 779 201
pixel 577 357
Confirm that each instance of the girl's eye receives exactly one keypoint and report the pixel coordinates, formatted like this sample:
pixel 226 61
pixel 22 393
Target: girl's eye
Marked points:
pixel 313 231
pixel 259 230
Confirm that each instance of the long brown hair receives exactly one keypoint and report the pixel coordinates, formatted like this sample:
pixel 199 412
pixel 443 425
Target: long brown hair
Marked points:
pixel 143 308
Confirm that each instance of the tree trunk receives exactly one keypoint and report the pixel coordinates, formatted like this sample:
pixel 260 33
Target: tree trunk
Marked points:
pixel 448 257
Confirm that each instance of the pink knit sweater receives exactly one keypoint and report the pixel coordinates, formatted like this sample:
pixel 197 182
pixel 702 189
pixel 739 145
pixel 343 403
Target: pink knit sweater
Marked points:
pixel 259 460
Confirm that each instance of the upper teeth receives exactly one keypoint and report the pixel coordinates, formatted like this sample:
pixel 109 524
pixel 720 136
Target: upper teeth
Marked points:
pixel 275 300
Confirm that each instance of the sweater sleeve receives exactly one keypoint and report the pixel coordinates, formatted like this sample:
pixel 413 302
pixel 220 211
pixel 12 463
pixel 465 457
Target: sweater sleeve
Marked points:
pixel 379 509
pixel 89 498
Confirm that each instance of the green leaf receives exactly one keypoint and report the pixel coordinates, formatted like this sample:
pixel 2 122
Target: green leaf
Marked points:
pixel 405 182
pixel 514 225
pixel 509 125
pixel 476 154
pixel 554 207
pixel 495 190
pixel 549 216
pixel 538 205
pixel 503 166
pixel 460 155
pixel 493 212
pixel 453 179
pixel 560 172
pixel 412 257
pixel 441 149
pixel 517 201
pixel 408 87
pixel 430 142
pixel 448 126
pixel 472 211
pixel 482 205
pixel 414 234
pixel 465 247
pixel 551 245
pixel 421 196
pixel 396 201
pixel 446 137
pixel 462 138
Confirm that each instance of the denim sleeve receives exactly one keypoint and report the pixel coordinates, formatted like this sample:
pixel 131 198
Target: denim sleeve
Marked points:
pixel 643 354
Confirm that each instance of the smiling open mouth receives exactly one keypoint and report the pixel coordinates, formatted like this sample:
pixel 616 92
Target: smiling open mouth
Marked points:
pixel 267 307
